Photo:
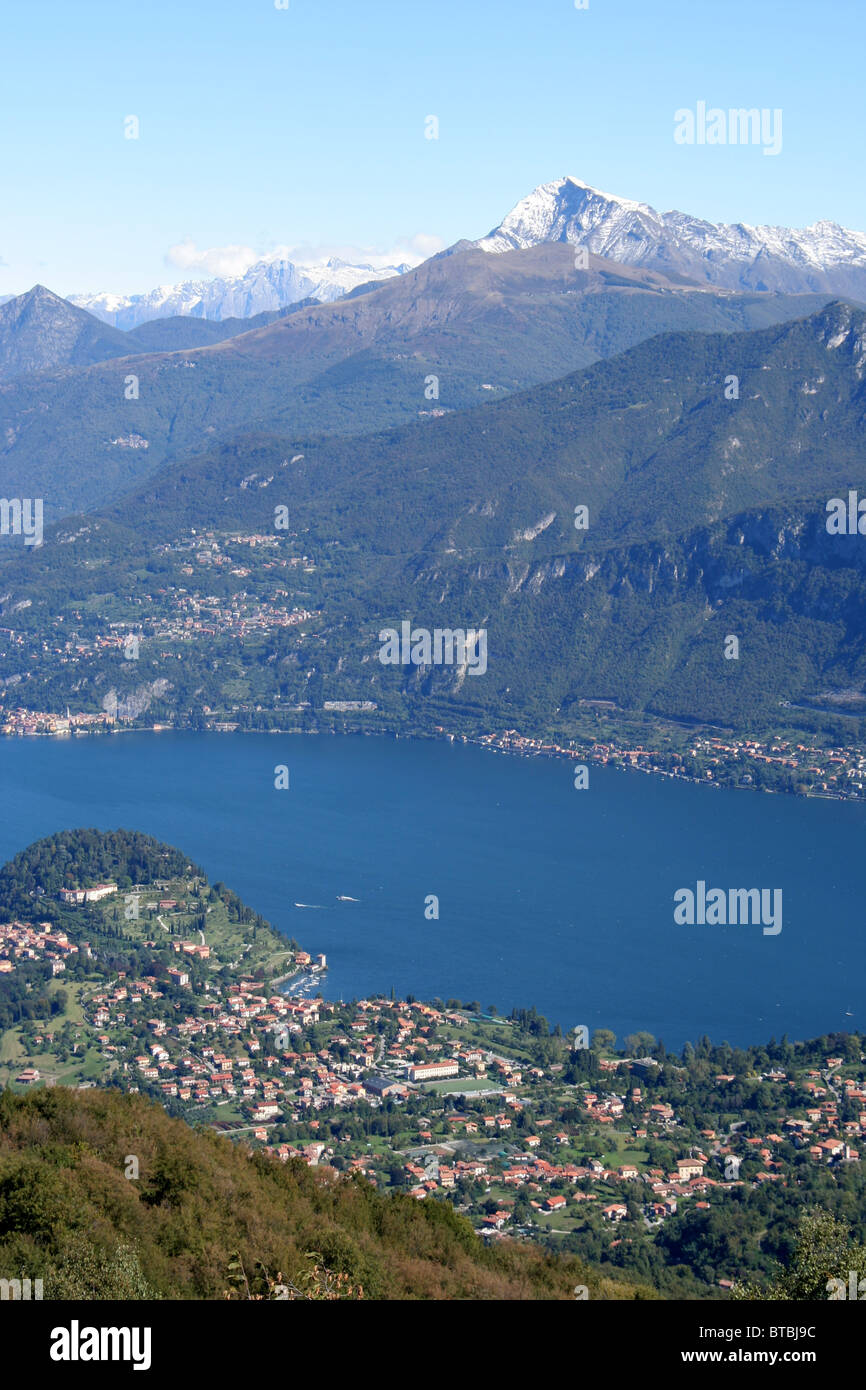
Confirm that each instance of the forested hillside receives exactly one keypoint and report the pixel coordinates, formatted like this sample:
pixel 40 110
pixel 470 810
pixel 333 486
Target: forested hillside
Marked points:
pixel 71 1216
pixel 610 531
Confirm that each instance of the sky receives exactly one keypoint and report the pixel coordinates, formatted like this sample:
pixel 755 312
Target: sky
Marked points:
pixel 304 128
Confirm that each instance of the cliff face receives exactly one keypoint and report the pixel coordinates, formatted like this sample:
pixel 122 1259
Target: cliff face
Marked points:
pixel 645 624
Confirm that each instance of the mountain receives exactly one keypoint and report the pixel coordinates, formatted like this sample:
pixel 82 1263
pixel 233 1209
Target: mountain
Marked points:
pixel 648 441
pixel 467 325
pixel 183 332
pixel 824 258
pixel 706 517
pixel 267 285
pixel 39 331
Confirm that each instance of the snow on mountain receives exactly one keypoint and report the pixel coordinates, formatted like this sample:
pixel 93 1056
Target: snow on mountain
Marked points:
pixel 269 284
pixel 824 256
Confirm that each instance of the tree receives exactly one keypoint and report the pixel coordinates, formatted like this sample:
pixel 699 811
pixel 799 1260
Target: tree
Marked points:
pixel 85 1272
pixel 824 1252
pixel 522 1208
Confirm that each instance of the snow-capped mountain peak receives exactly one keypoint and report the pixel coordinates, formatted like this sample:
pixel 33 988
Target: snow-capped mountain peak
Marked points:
pixel 824 256
pixel 272 283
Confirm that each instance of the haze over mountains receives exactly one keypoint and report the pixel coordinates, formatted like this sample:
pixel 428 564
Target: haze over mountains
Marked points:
pixel 481 325
pixel 433 433
pixel 39 331
pixel 655 420
pixel 706 517
pixel 823 258
pixel 268 285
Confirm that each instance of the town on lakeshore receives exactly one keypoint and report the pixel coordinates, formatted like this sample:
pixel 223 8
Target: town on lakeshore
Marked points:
pixel 533 1134
pixel 781 764
pixel 242 630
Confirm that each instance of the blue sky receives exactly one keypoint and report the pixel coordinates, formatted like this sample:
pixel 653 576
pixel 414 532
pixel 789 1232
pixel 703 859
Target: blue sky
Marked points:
pixel 262 128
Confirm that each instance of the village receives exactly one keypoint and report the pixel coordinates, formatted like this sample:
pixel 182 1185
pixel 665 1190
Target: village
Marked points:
pixel 808 769
pixel 528 1134
pixel 229 613
pixel 833 772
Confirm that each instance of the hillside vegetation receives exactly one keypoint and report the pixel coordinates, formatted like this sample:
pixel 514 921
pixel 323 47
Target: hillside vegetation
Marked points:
pixel 706 515
pixel 69 1215
pixel 482 325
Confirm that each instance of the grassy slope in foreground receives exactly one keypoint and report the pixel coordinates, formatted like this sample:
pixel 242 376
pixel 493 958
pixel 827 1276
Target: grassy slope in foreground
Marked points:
pixel 69 1215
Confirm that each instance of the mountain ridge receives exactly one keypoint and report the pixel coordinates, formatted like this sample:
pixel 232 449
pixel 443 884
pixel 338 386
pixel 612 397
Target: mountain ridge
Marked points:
pixel 463 326
pixel 40 331
pixel 267 285
pixel 706 516
pixel 822 257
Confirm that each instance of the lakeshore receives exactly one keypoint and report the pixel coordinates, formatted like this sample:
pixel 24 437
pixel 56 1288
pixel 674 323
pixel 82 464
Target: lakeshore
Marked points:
pixel 709 758
pixel 169 985
pixel 546 894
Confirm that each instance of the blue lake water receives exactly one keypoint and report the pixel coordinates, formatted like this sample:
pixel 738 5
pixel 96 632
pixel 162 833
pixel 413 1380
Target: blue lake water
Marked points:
pixel 549 896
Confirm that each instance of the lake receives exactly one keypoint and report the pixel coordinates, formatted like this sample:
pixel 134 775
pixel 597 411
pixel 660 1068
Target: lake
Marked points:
pixel 548 896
